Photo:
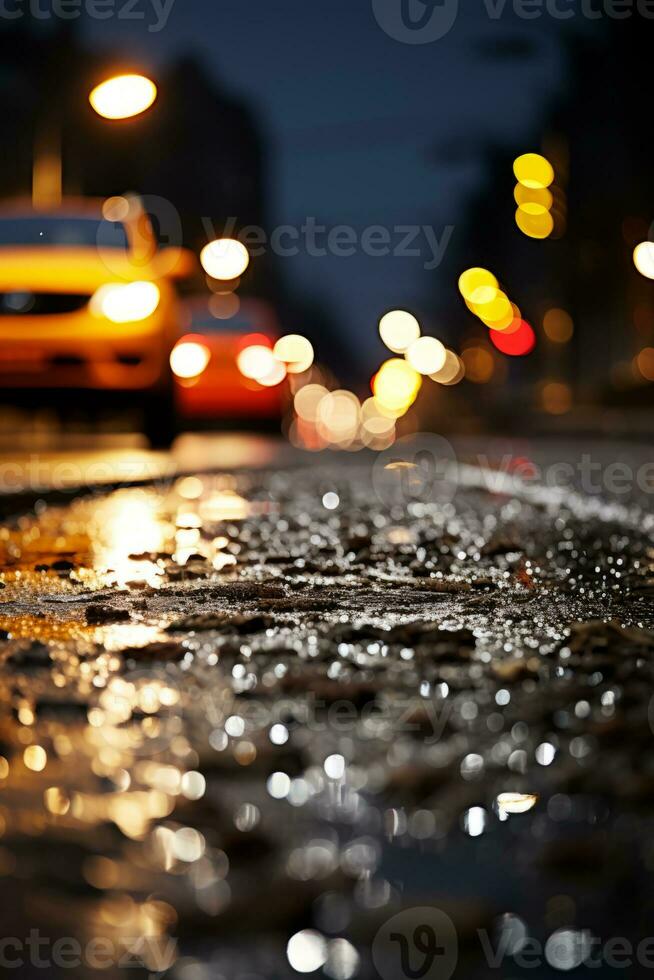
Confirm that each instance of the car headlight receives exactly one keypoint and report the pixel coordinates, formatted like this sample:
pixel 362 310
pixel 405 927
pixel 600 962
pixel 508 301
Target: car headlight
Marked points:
pixel 126 304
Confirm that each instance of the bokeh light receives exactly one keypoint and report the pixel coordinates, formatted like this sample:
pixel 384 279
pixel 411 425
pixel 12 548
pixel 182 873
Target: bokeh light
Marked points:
pixel 306 951
pixel 307 400
pixel 338 416
pixel 558 326
pixel 645 363
pixel 644 259
pixel 396 386
pixel 541 196
pixel 533 171
pixel 295 351
pixel 556 398
pixel 189 357
pixel 452 370
pixel 516 344
pixel 534 220
pixel 426 355
pixel 398 330
pixel 496 312
pixel 123 97
pixel 479 364
pixel 226 258
pixel 127 303
pixel 256 361
pixel 274 376
pixel 223 306
pixel 475 279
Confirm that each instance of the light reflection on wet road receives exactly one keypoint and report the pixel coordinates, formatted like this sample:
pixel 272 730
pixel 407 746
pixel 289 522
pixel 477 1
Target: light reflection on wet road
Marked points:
pixel 120 460
pixel 254 714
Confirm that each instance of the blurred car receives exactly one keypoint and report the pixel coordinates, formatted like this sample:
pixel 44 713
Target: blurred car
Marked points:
pixel 224 365
pixel 87 306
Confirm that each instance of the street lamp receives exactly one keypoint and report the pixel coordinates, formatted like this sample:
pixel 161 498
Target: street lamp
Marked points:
pixel 121 97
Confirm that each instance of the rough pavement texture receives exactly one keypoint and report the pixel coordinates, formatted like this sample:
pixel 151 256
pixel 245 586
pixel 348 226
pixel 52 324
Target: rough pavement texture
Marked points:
pixel 235 709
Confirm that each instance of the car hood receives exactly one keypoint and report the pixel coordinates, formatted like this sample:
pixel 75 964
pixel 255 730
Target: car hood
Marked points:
pixel 64 270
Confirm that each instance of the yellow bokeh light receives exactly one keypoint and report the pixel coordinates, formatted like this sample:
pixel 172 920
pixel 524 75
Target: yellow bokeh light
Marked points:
pixel 426 355
pixel 496 312
pixel 473 279
pixel 398 330
pixel 534 221
pixel 295 351
pixel 225 259
pixel 396 386
pixel 533 171
pixel 189 358
pixel 541 196
pixel 123 97
pixel 558 326
pixel 644 259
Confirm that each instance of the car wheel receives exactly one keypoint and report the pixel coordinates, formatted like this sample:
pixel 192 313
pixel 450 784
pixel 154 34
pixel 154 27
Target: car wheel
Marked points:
pixel 160 419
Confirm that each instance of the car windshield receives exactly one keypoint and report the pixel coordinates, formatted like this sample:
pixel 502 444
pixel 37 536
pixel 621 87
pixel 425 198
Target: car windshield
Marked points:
pixel 63 232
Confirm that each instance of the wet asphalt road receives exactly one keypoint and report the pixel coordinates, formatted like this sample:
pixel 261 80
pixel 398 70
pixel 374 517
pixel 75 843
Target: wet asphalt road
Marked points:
pixel 251 715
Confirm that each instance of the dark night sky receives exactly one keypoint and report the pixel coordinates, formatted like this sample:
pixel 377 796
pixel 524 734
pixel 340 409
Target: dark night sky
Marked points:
pixel 361 127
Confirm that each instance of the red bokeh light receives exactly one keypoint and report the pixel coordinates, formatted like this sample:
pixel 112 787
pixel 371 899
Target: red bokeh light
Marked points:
pixel 517 343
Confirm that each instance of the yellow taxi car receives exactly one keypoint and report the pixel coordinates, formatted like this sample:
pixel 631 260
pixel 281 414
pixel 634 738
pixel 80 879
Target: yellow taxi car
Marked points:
pixel 88 306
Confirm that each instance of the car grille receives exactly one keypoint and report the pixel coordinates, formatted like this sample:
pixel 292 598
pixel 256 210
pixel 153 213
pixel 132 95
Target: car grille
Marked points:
pixel 24 303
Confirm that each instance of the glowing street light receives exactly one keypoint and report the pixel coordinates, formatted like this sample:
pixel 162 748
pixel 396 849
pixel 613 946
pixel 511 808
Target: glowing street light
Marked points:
pixel 123 97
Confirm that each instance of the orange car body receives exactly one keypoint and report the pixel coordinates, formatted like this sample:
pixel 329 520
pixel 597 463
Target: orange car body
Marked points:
pixel 53 331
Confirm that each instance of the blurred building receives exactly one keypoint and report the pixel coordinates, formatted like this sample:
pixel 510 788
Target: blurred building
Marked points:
pixel 601 143
pixel 200 148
